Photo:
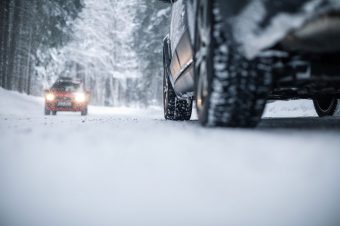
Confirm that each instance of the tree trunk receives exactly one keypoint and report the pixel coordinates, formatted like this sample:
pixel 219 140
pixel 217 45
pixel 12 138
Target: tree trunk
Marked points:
pixel 5 12
pixel 13 43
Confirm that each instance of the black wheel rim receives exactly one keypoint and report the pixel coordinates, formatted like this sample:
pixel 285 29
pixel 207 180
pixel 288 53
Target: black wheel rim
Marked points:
pixel 202 43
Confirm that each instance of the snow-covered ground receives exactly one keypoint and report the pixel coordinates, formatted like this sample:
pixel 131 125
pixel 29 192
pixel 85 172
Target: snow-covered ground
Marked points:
pixel 130 167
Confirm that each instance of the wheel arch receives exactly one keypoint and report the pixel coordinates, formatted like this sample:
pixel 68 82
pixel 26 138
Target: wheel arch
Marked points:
pixel 167 58
pixel 166 51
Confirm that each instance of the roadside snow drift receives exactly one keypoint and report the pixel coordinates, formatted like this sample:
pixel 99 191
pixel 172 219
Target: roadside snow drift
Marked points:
pixel 130 167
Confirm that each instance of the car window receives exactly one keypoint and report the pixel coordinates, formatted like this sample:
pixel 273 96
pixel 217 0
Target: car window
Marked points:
pixel 67 87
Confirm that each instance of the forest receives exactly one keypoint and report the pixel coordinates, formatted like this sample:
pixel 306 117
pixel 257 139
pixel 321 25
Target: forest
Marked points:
pixel 114 46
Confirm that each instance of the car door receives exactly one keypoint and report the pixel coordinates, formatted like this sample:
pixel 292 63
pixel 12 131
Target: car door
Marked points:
pixel 181 47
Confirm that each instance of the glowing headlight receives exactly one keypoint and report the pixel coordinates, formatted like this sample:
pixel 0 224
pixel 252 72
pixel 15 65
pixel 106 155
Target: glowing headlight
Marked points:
pixel 80 97
pixel 50 97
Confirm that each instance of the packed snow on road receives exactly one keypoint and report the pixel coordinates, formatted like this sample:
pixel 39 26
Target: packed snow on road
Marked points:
pixel 121 166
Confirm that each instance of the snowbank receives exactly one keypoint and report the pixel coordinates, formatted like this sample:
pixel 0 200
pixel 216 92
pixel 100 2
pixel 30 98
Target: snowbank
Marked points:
pixel 293 108
pixel 14 103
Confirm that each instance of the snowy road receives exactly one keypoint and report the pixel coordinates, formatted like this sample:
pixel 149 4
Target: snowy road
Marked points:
pixel 130 167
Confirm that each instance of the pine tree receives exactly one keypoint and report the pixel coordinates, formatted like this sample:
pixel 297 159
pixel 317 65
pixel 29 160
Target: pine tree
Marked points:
pixel 29 27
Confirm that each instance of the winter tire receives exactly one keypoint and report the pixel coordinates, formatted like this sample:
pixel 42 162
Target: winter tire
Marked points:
pixel 47 112
pixel 174 108
pixel 231 91
pixel 325 105
pixel 84 112
pixel 54 112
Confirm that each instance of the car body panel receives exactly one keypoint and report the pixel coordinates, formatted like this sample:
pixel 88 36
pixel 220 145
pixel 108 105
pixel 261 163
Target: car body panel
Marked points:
pixel 181 50
pixel 256 25
pixel 184 50
pixel 178 23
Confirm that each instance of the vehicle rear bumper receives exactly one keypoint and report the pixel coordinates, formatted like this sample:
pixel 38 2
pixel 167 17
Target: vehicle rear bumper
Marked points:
pixel 53 107
pixel 319 35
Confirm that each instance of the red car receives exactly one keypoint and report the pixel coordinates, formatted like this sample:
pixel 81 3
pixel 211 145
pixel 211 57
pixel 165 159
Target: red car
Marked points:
pixel 66 94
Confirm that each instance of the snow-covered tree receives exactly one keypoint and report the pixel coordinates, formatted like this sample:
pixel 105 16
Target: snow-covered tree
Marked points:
pixel 27 29
pixel 153 26
pixel 113 45
pixel 116 50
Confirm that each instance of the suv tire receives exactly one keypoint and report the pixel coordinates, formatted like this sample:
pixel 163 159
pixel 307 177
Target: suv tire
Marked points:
pixel 84 112
pixel 47 112
pixel 231 91
pixel 174 108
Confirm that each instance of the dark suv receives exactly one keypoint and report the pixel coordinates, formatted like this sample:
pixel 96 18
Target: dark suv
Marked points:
pixel 231 56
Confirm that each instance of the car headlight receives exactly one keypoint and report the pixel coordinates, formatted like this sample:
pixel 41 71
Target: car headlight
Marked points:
pixel 80 97
pixel 50 97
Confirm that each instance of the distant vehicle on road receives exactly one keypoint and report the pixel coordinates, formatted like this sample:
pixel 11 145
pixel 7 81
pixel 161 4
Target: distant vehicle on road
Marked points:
pixel 66 94
pixel 233 56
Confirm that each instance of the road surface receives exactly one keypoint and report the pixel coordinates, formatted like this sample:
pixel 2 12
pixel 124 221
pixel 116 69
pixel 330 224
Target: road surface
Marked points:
pixel 130 167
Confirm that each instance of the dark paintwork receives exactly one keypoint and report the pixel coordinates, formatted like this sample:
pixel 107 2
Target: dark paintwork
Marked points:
pixel 182 76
